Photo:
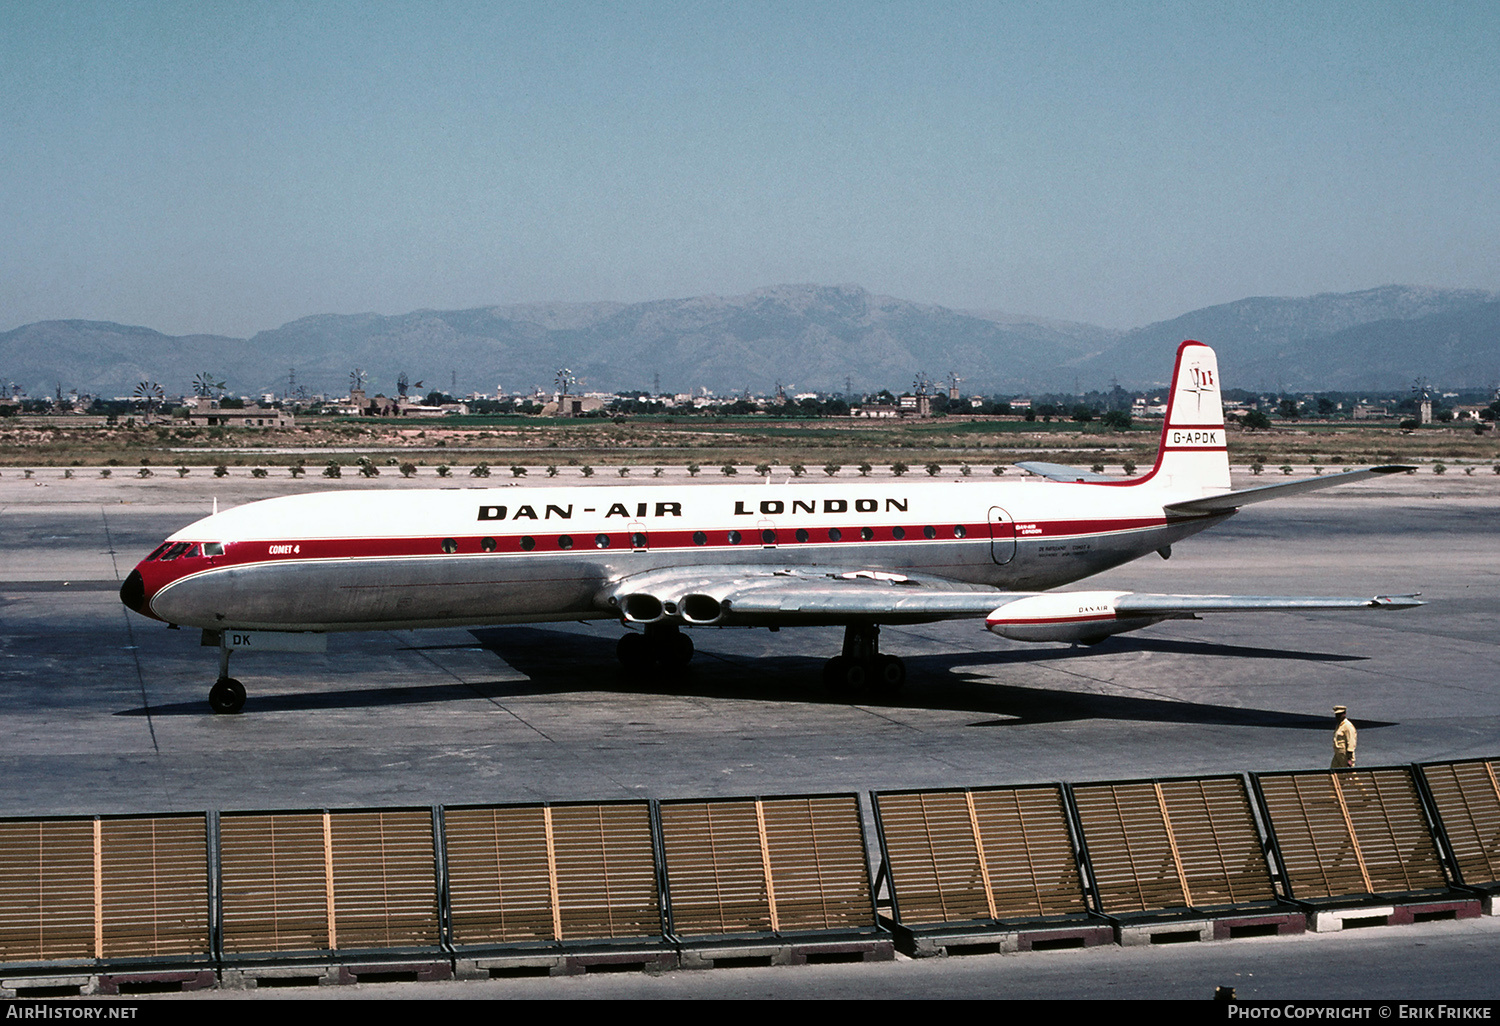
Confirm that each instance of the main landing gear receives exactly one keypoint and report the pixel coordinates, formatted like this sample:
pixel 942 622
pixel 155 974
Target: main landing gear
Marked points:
pixel 227 695
pixel 861 666
pixel 660 645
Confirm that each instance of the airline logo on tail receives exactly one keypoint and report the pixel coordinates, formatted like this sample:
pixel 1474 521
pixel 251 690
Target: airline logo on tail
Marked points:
pixel 1198 382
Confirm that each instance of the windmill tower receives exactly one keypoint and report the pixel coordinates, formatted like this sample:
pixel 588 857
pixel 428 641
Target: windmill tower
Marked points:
pixel 357 387
pixel 922 388
pixel 566 407
pixel 151 395
pixel 1423 392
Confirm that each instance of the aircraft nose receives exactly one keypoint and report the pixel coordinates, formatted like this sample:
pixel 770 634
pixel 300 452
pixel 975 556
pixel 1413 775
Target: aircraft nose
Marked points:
pixel 133 592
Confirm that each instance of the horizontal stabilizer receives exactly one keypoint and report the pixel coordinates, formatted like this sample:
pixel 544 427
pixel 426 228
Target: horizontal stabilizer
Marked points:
pixel 1228 501
pixel 1059 472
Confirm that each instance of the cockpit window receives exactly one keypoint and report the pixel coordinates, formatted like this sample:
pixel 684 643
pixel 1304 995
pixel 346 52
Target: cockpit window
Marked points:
pixel 163 547
pixel 213 548
pixel 192 552
pixel 175 551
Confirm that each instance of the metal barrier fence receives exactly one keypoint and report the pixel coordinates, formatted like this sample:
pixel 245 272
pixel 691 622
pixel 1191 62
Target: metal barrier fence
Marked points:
pixel 115 889
pixel 1465 795
pixel 327 881
pixel 995 854
pixel 766 866
pixel 551 874
pixel 1162 844
pixel 1350 833
pixel 1015 868
pixel 233 888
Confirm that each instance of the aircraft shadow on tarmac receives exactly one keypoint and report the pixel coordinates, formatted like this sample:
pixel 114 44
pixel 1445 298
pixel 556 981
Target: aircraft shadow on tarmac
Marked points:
pixel 341 698
pixel 559 662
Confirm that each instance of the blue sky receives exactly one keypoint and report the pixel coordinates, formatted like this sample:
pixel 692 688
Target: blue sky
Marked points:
pixel 227 167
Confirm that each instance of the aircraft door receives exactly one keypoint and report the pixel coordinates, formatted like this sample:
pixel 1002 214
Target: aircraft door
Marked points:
pixel 767 533
pixel 1002 536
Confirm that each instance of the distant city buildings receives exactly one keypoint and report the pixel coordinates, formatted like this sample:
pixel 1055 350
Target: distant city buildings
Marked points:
pixel 217 410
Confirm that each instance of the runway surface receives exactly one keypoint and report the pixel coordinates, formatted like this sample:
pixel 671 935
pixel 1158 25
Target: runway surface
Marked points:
pixel 105 711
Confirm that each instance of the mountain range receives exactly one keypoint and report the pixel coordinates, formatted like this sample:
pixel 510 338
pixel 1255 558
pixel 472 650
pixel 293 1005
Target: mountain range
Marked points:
pixel 805 337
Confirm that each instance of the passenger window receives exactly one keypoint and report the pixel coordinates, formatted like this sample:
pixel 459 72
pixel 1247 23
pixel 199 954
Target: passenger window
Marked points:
pixel 699 538
pixel 527 543
pixel 834 534
pixel 898 533
pixel 450 545
pixel 801 535
pixel 768 537
pixel 487 545
pixel 601 541
pixel 565 541
pixel 866 533
pixel 637 540
pixel 929 532
pixel 734 537
pixel 959 531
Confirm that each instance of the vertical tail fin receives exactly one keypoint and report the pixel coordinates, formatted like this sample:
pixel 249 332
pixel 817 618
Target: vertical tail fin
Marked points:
pixel 1193 456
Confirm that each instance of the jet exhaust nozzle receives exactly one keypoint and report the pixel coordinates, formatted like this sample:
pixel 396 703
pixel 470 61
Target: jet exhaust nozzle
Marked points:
pixel 700 609
pixel 642 608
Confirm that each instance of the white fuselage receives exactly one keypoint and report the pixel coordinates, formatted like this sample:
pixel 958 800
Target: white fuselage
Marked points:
pixel 466 556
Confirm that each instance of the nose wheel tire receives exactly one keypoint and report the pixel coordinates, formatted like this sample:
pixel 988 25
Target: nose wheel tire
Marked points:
pixel 227 695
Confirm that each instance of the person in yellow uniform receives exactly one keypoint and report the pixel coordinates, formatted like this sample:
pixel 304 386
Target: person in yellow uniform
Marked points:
pixel 1344 739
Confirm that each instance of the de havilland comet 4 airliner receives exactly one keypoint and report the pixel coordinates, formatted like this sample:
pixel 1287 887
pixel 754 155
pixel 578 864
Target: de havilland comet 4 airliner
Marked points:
pixel 280 573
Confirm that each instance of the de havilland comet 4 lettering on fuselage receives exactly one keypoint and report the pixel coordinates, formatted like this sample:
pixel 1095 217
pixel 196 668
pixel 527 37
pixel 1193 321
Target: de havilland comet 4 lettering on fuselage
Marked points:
pixel 280 573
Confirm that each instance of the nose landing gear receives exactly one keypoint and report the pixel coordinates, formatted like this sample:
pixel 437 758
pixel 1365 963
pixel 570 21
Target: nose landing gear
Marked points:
pixel 227 695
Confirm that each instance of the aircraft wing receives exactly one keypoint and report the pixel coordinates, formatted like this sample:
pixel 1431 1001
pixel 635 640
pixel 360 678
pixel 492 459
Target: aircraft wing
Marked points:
pixel 1089 616
pixel 1183 606
pixel 813 595
pixel 1234 500
pixel 747 595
